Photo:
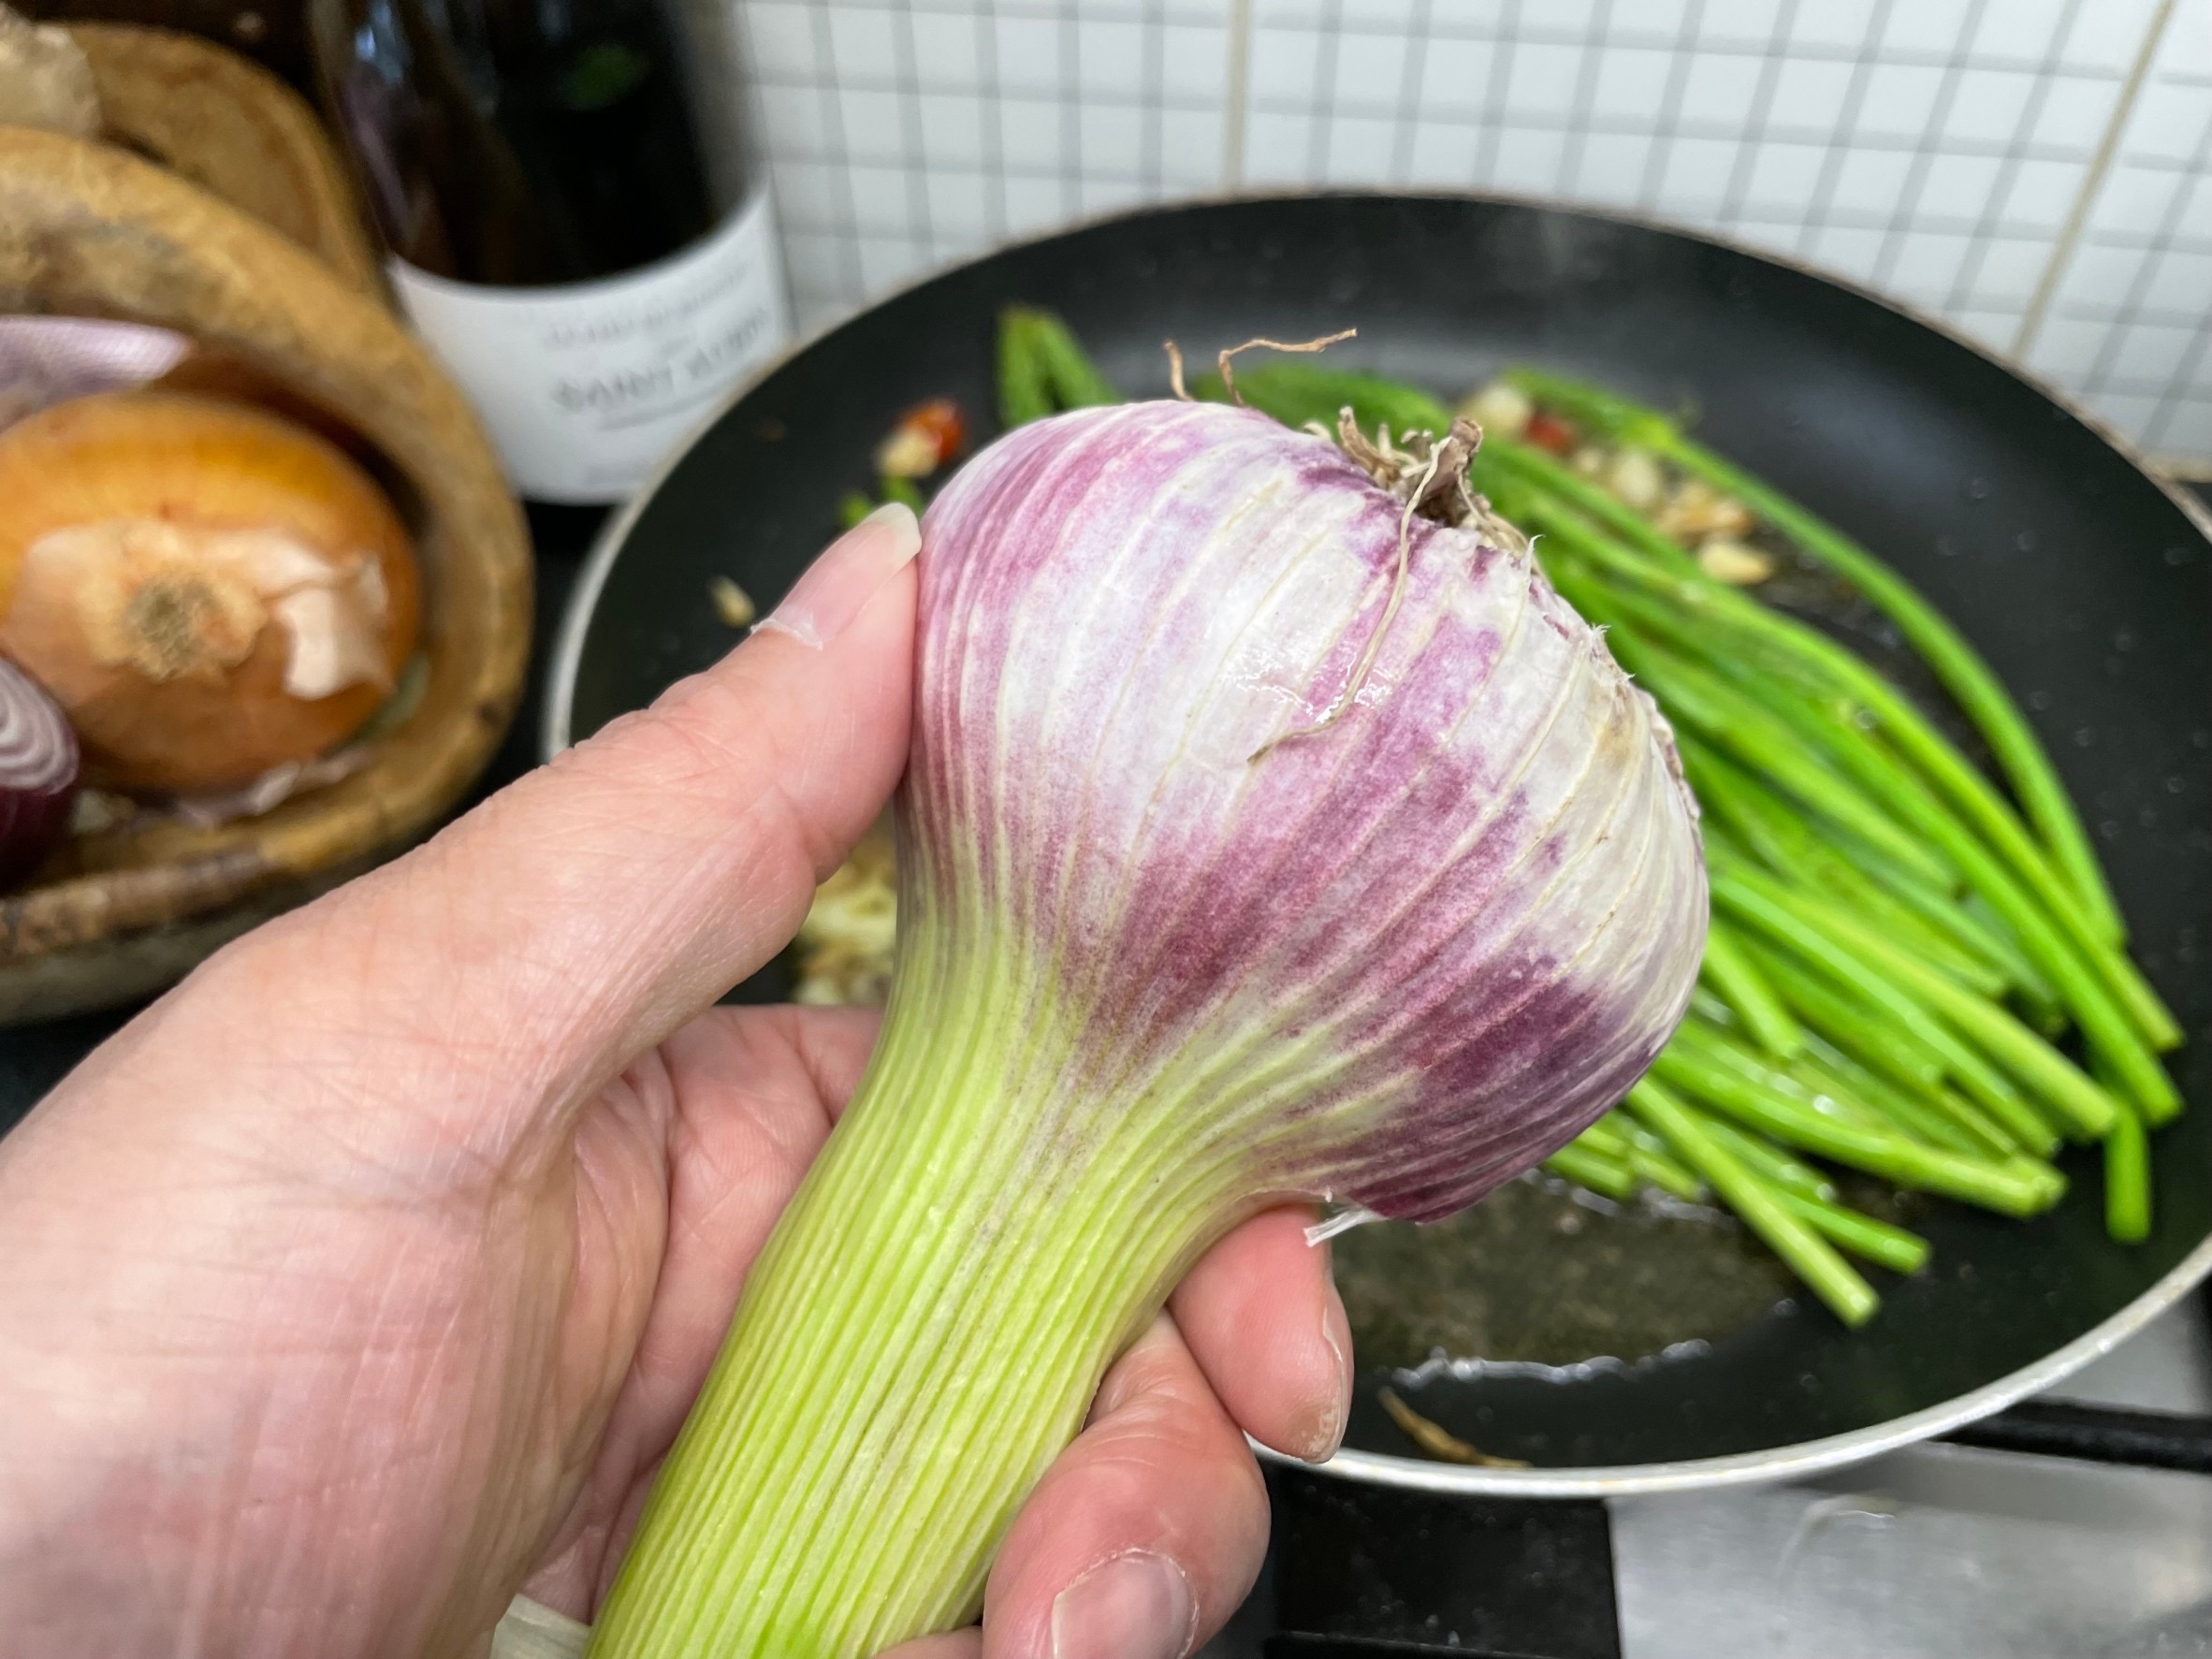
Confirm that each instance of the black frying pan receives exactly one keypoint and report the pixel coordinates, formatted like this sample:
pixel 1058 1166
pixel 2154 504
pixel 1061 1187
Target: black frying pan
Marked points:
pixel 2082 579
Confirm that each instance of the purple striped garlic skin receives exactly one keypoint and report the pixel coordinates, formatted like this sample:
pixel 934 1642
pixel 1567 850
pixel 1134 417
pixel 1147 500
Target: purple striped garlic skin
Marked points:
pixel 1393 963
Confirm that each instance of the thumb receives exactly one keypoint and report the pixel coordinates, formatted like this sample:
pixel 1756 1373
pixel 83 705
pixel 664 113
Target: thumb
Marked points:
pixel 580 915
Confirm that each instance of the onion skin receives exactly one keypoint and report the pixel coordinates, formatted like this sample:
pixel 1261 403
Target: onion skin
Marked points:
pixel 38 766
pixel 198 466
pixel 1147 984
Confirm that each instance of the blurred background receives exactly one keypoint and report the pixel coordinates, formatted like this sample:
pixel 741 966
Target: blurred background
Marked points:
pixel 2038 172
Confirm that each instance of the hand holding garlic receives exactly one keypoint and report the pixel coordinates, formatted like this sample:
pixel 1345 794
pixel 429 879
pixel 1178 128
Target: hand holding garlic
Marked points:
pixel 364 1279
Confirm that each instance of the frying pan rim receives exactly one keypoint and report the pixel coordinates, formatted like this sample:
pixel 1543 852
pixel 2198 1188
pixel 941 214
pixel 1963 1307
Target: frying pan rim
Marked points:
pixel 583 601
pixel 1420 1473
pixel 1779 1462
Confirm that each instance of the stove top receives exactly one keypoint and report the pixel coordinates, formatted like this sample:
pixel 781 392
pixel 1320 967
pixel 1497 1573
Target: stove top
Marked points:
pixel 2077 1524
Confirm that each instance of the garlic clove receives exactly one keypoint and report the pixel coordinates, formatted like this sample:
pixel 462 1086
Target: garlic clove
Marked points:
pixel 1635 480
pixel 1501 409
pixel 1731 562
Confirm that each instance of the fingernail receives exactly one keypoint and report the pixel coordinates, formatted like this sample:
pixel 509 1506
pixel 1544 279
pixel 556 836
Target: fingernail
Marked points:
pixel 1320 1443
pixel 1136 1606
pixel 837 585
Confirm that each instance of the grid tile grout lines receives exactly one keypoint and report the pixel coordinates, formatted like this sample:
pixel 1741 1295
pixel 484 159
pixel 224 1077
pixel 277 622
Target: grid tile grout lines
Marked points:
pixel 2037 172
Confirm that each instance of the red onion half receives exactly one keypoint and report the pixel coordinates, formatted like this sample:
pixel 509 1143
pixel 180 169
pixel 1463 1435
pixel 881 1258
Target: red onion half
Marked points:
pixel 38 773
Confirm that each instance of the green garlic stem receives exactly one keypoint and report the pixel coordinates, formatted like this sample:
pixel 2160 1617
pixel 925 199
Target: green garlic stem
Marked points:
pixel 921 1336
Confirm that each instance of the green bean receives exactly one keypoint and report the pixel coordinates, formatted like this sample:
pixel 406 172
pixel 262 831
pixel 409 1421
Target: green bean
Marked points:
pixel 1607 1136
pixel 1862 1235
pixel 1985 1134
pixel 1812 1258
pixel 1649 1157
pixel 1767 1159
pixel 2127 1180
pixel 1587 1167
pixel 1296 393
pixel 2083 1106
pixel 1917 1058
pixel 1738 981
pixel 1075 382
pixel 2009 1188
pixel 1955 661
pixel 1691 697
pixel 1022 394
pixel 1719 1048
pixel 2116 1008
pixel 1784 841
pixel 1899 1111
pixel 2060 933
pixel 1870 1034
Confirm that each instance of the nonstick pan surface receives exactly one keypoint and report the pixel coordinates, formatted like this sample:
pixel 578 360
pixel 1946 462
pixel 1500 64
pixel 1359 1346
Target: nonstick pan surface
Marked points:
pixel 2082 580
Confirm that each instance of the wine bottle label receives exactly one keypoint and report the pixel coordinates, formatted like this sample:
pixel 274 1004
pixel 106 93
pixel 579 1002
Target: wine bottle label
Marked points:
pixel 587 387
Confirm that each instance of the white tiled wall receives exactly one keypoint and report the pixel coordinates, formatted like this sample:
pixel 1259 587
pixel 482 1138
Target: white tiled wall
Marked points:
pixel 2040 172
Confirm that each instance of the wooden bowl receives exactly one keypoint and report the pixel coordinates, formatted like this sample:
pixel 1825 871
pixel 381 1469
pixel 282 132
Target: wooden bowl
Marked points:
pixel 232 128
pixel 90 229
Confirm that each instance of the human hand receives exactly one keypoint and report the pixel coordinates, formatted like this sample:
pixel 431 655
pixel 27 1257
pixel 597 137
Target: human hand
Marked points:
pixel 363 1280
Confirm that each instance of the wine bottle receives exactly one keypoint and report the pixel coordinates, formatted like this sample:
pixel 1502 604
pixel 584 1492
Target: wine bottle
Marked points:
pixel 573 225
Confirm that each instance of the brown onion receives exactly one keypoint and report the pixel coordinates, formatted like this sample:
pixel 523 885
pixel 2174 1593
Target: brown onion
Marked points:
pixel 39 764
pixel 206 590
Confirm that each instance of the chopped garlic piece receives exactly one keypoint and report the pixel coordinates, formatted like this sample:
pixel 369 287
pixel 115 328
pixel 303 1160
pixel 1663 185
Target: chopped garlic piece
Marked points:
pixel 1634 478
pixel 95 811
pixel 732 603
pixel 1500 409
pixel 909 452
pixel 845 945
pixel 1733 563
pixel 1696 511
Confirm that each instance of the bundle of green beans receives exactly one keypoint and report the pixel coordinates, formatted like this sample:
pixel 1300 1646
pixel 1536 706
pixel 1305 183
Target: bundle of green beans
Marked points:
pixel 1895 948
